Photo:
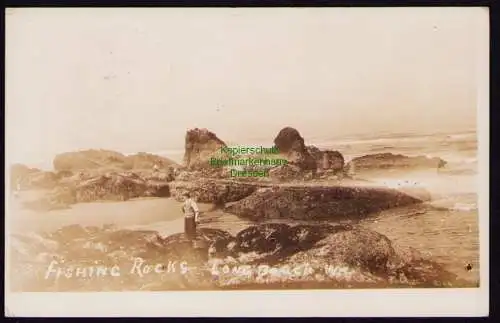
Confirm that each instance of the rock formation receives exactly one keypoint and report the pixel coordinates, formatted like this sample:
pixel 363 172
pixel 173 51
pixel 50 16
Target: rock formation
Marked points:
pixel 112 186
pixel 291 144
pixel 327 161
pixel 384 161
pixel 119 186
pixel 315 202
pixel 200 146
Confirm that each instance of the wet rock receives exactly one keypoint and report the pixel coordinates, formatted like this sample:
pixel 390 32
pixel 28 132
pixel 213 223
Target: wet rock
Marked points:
pixel 305 236
pixel 264 238
pixel 84 187
pixel 195 251
pixel 332 256
pixel 316 202
pixel 120 187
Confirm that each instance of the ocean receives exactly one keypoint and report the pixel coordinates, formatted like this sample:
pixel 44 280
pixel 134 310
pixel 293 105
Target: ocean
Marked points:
pixel 447 230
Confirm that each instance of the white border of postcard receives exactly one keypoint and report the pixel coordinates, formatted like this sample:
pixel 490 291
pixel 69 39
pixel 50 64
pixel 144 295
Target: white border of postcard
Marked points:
pixel 288 303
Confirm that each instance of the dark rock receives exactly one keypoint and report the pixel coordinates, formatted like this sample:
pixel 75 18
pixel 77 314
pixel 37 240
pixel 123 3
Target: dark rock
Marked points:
pixel 305 236
pixel 365 258
pixel 264 238
pixel 291 144
pixel 315 202
pixel 119 187
pixel 196 251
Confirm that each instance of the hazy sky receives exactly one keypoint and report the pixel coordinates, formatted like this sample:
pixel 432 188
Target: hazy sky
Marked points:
pixel 137 79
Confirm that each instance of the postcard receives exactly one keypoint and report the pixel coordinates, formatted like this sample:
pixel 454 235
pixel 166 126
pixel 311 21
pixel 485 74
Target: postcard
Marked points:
pixel 247 162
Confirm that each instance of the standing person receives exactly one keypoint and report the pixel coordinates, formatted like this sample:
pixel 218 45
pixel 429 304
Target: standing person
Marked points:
pixel 191 211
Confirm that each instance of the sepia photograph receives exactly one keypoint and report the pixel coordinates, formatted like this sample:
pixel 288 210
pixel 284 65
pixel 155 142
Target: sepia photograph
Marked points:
pixel 224 152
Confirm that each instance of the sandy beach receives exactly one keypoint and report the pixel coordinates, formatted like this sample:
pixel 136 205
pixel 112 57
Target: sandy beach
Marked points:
pixel 137 213
pixel 159 214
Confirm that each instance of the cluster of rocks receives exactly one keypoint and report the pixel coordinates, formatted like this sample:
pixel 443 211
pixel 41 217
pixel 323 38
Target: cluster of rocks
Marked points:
pixel 92 175
pixel 329 255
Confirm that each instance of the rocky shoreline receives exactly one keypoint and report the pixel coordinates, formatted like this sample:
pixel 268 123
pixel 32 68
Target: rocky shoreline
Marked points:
pixel 291 192
pixel 266 256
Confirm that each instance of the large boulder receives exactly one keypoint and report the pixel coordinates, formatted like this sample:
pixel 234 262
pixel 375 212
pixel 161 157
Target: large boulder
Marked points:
pixel 200 146
pixel 291 144
pixel 316 202
pixel 385 161
pixel 212 191
pixel 358 248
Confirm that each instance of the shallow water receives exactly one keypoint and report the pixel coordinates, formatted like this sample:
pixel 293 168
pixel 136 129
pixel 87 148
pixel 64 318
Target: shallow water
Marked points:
pixel 448 237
